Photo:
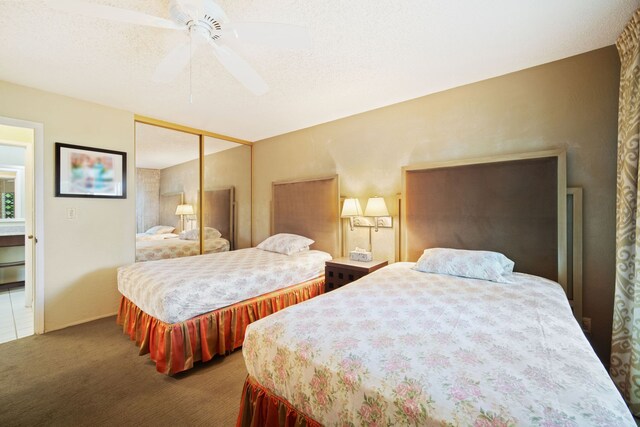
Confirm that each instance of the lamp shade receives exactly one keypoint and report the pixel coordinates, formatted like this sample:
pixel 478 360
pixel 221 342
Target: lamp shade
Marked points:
pixel 351 207
pixel 376 207
pixel 184 210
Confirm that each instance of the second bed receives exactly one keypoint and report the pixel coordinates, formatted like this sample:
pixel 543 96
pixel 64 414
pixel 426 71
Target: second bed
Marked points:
pixel 188 309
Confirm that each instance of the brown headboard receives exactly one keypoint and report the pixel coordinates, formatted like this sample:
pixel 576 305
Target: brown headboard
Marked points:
pixel 218 211
pixel 309 208
pixel 168 204
pixel 515 205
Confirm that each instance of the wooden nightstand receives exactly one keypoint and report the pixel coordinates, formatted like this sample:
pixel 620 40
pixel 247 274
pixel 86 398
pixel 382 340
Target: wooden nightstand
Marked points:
pixel 340 271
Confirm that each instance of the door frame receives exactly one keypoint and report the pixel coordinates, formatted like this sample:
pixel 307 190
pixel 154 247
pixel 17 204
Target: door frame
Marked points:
pixel 34 161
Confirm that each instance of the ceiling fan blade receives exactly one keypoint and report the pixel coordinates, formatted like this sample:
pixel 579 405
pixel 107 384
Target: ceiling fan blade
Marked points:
pixel 240 69
pixel 284 36
pixel 172 64
pixel 112 13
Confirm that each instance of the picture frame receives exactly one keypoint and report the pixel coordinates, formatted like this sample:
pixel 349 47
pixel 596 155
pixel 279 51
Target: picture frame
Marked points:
pixel 90 172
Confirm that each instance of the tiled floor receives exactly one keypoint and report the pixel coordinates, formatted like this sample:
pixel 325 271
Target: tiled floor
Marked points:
pixel 16 320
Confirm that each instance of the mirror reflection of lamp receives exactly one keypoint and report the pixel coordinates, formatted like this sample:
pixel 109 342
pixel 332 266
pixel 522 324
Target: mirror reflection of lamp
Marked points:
pixel 376 207
pixel 350 209
pixel 183 210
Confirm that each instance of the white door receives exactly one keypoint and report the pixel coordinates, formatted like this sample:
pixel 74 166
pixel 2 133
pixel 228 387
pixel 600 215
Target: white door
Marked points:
pixel 33 218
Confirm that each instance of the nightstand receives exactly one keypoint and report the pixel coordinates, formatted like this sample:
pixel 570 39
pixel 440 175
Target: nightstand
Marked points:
pixel 341 271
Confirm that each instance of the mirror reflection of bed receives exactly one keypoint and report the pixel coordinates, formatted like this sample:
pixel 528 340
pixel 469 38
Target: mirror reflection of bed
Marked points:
pixel 168 192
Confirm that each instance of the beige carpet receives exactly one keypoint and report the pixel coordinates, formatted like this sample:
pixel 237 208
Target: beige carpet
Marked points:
pixel 91 375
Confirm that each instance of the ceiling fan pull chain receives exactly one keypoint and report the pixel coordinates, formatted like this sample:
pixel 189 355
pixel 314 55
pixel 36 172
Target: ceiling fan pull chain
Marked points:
pixel 190 66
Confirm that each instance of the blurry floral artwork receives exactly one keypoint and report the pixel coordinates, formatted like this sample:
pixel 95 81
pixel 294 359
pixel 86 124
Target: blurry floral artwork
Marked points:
pixel 89 172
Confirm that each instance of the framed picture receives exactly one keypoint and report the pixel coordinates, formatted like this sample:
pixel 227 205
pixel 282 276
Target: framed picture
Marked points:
pixel 90 172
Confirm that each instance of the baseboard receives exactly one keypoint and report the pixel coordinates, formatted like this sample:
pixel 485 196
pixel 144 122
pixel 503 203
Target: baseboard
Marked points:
pixel 80 322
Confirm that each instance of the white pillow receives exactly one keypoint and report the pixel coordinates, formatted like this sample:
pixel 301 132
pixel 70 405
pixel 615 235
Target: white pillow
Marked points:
pixel 160 229
pixel 484 265
pixel 209 233
pixel 285 243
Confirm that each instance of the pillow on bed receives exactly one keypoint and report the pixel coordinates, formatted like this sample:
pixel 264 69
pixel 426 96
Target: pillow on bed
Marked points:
pixel 484 265
pixel 160 229
pixel 284 243
pixel 209 233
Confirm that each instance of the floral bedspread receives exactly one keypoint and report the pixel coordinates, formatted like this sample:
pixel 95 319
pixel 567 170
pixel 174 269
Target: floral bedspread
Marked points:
pixel 150 250
pixel 402 347
pixel 174 290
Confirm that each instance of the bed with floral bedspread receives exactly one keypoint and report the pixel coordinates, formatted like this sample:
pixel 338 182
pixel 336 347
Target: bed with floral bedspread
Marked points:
pixel 403 347
pixel 187 309
pixel 151 250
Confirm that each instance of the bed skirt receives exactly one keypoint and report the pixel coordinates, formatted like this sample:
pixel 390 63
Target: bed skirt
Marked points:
pixel 260 407
pixel 174 347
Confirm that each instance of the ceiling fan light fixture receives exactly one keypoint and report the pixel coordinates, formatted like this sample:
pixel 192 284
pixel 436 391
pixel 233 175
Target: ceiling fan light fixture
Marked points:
pixel 206 22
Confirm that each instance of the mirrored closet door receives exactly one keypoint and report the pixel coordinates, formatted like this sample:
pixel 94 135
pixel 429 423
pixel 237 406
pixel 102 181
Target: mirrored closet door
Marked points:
pixel 227 190
pixel 193 192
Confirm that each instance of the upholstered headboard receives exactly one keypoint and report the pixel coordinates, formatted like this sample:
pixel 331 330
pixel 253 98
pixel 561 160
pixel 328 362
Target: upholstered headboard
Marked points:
pixel 309 208
pixel 218 211
pixel 510 204
pixel 168 204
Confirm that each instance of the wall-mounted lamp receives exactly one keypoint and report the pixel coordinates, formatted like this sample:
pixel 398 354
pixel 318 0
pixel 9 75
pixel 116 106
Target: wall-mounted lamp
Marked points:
pixel 183 210
pixel 376 207
pixel 350 209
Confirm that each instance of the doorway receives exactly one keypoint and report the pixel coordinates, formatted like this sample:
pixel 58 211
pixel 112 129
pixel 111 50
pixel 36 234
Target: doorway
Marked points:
pixel 21 287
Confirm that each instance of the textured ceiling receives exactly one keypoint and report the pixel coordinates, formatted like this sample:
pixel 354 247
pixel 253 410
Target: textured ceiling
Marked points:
pixel 366 54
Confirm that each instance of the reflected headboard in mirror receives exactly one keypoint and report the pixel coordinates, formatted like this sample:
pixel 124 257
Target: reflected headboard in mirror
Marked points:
pixel 513 204
pixel 309 208
pixel 168 204
pixel 218 211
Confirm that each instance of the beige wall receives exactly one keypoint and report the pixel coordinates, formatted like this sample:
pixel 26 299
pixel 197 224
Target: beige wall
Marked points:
pixel 16 134
pixel 227 168
pixel 570 103
pixel 81 256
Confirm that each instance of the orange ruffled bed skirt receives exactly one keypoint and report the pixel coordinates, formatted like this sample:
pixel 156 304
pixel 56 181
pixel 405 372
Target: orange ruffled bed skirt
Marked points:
pixel 174 347
pixel 260 407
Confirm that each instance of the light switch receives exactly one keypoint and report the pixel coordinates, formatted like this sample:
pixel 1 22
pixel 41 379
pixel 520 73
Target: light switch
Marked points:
pixel 71 213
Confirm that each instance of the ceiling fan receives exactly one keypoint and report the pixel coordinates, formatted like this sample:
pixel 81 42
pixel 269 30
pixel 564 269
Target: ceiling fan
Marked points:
pixel 207 25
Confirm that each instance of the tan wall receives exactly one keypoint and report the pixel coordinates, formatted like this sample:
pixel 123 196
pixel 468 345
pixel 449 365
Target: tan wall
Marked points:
pixel 81 256
pixel 227 168
pixel 570 103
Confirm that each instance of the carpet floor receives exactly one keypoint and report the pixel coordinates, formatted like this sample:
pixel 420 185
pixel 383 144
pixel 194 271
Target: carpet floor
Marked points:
pixel 91 375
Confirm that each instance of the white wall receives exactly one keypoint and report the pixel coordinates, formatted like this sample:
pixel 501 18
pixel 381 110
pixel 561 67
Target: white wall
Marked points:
pixel 10 155
pixel 82 255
